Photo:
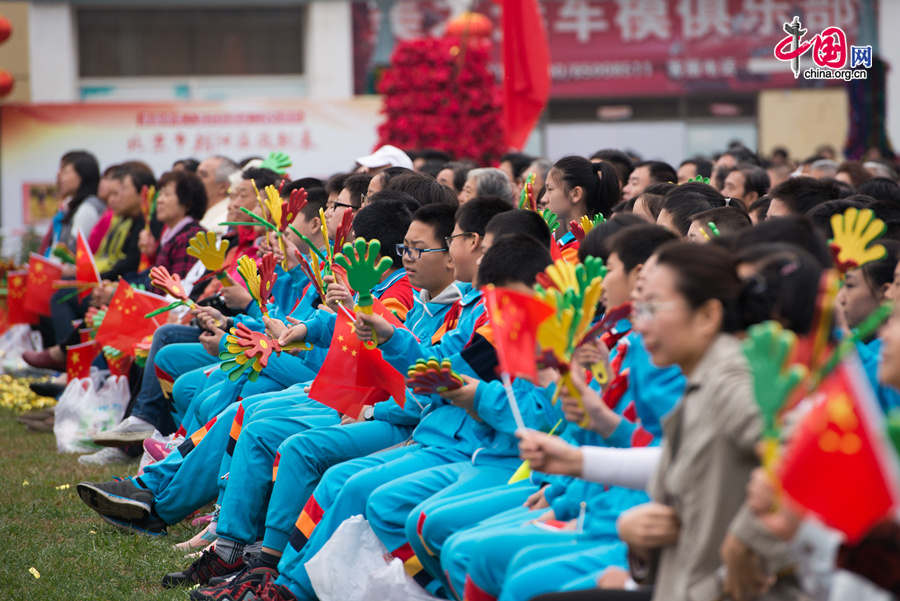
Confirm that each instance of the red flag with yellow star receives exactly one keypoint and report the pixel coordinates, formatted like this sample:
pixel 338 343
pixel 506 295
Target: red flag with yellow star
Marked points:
pixel 514 319
pixel 353 376
pixel 16 284
pixel 124 324
pixel 79 358
pixel 41 275
pixel 85 268
pixel 838 463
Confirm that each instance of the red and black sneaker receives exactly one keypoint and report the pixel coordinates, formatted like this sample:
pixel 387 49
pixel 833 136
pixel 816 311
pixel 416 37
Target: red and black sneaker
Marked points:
pixel 273 592
pixel 204 567
pixel 251 580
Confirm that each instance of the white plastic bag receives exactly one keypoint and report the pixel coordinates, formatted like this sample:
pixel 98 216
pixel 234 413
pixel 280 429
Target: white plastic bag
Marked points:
pixel 351 566
pixel 15 341
pixel 84 409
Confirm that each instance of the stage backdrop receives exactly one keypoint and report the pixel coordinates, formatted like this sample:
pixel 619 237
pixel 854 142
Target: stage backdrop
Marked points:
pixel 321 138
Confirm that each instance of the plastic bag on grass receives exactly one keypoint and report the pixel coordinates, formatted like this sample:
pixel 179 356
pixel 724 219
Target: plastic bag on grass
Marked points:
pixel 85 408
pixel 351 566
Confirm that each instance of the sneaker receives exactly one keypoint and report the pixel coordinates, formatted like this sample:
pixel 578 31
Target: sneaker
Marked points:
pixel 150 526
pixel 270 592
pixel 107 456
pixel 130 430
pixel 208 565
pixel 119 499
pixel 245 583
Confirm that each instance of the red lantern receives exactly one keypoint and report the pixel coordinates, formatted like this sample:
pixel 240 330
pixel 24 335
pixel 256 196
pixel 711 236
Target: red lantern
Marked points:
pixel 6 83
pixel 5 29
pixel 470 24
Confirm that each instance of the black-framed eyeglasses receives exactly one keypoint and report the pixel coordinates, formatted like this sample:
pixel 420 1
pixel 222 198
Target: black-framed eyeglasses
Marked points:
pixel 414 254
pixel 335 204
pixel 449 239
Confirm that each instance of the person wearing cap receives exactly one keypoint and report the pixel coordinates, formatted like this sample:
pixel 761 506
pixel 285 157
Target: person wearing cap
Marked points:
pixel 384 157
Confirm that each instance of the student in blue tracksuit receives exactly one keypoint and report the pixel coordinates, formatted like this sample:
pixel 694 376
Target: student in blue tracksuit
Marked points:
pixel 158 478
pixel 431 332
pixel 446 434
pixel 576 187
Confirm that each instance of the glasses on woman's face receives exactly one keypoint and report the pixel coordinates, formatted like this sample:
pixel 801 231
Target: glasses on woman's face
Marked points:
pixel 414 254
pixel 648 310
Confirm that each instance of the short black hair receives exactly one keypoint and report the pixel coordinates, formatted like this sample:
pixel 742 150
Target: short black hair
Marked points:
pixel 618 159
pixel 513 258
pixel 519 161
pixel 316 198
pixel 432 167
pixel 475 214
pixel 386 220
pixel 520 221
pixel 760 205
pixel 635 243
pixel 728 220
pixel 881 188
pixel 756 179
pixel 189 190
pixel 800 194
pixel 798 230
pixel 189 164
pixel 358 185
pixel 879 272
pixel 594 244
pixel 308 182
pixel 430 154
pixel 335 183
pixel 408 201
pixel 683 207
pixel 423 188
pixel 460 171
pixel 441 217
pixel 261 177
pixel 703 166
pixel 660 171
pixel 140 173
pixel 821 213
pixel 687 189
pixel 888 212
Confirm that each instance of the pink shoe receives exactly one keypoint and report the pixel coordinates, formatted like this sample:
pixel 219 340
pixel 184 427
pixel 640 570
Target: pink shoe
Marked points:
pixel 156 449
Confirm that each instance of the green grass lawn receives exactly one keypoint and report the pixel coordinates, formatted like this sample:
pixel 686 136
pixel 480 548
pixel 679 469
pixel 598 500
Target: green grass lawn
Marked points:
pixel 79 557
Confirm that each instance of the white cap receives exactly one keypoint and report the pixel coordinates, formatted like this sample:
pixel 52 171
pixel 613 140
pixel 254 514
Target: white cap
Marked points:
pixel 386 156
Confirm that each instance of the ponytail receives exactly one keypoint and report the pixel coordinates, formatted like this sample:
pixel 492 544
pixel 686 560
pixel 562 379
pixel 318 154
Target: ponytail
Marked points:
pixel 599 182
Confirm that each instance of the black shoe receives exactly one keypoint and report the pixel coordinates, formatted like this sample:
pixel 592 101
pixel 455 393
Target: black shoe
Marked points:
pixel 47 389
pixel 205 567
pixel 119 499
pixel 151 526
pixel 250 580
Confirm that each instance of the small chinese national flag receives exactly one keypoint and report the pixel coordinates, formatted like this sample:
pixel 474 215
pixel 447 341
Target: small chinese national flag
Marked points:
pixel 16 283
pixel 838 463
pixel 124 324
pixel 79 358
pixel 515 318
pixel 85 268
pixel 41 275
pixel 353 376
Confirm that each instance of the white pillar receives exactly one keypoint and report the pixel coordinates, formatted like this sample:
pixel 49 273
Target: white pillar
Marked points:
pixel 329 50
pixel 889 47
pixel 53 52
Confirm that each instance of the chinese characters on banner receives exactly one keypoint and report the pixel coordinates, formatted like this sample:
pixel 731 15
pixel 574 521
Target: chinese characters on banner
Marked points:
pixel 603 48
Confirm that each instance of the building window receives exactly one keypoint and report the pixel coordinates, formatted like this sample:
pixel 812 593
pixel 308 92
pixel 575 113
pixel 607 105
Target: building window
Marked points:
pixel 190 42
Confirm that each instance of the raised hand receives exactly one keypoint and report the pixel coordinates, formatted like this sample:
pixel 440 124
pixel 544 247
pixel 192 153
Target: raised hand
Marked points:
pixel 162 279
pixel 209 250
pixel 428 376
pixel 364 268
pixel 292 208
pixel 551 219
pixel 854 232
pixel 277 162
pixel 768 349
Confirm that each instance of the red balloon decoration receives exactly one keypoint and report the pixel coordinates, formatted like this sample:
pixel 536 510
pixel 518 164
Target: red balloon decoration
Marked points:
pixel 6 83
pixel 5 29
pixel 470 24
